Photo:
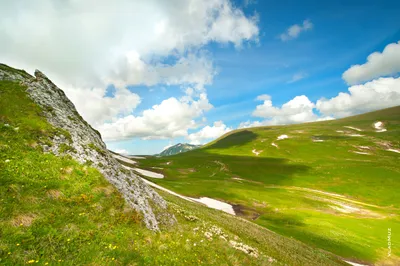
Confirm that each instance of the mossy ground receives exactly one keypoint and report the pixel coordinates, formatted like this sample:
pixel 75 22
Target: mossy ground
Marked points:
pixel 56 211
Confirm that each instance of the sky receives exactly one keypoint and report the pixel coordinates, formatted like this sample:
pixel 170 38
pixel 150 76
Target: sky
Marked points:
pixel 150 74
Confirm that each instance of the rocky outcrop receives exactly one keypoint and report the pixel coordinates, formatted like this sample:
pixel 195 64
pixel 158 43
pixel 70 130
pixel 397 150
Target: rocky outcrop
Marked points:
pixel 79 140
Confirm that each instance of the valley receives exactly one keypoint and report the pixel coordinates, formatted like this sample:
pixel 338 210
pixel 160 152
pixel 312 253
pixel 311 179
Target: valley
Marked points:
pixel 330 184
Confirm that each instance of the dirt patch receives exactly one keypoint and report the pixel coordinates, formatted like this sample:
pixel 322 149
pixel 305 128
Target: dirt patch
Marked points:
pixel 23 220
pixel 223 166
pixel 108 190
pixel 186 171
pixel 246 212
pixel 54 194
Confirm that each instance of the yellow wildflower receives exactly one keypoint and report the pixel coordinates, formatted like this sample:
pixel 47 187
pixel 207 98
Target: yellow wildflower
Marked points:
pixel 31 261
pixel 18 244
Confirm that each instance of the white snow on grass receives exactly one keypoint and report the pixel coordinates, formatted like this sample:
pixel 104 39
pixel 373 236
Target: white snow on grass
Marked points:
pixel 318 140
pixel 148 173
pixel 354 128
pixel 360 152
pixel 339 131
pixel 124 159
pixel 364 147
pixel 394 150
pixel 379 127
pixel 345 208
pixel 135 157
pixel 216 204
pixel 283 137
pixel 256 152
pixel 355 135
pixel 275 145
pixel 211 203
pixel 354 263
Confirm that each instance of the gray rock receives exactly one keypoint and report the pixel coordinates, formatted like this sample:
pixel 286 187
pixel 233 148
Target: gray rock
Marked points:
pixel 83 143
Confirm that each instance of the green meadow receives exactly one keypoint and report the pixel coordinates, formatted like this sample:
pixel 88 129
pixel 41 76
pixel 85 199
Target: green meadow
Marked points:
pixel 54 211
pixel 332 184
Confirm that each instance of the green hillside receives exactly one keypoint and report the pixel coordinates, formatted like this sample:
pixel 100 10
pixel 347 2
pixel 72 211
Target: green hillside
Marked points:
pixel 54 211
pixel 332 184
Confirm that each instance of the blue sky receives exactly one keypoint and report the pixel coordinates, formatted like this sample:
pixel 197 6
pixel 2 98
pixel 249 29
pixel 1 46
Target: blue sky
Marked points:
pixel 149 74
pixel 344 33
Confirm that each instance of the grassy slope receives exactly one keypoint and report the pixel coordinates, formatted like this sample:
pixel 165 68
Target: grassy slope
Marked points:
pixel 54 210
pixel 271 184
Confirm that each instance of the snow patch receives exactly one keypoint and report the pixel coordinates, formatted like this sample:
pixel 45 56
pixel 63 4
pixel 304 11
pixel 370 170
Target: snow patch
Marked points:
pixel 393 150
pixel 256 152
pixel 354 264
pixel 283 137
pixel 124 159
pixel 339 131
pixel 211 203
pixel 275 145
pixel 360 152
pixel 135 157
pixel 148 173
pixel 318 140
pixel 379 127
pixel 355 135
pixel 344 208
pixel 216 204
pixel 354 128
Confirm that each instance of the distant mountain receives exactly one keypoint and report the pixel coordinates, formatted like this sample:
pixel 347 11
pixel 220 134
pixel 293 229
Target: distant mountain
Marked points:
pixel 178 148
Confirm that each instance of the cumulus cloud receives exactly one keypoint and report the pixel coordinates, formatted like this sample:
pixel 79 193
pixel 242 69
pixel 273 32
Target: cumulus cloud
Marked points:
pixel 373 95
pixel 294 31
pixel 208 133
pixel 377 65
pixel 85 45
pixel 97 108
pixel 169 119
pixel 297 110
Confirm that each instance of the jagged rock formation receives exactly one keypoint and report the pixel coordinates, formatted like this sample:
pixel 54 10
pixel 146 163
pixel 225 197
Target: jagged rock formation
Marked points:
pixel 79 140
pixel 178 148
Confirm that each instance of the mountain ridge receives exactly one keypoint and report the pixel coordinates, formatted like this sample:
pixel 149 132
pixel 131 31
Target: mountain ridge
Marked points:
pixel 178 148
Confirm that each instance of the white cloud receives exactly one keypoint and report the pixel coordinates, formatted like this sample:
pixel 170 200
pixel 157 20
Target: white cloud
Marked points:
pixel 373 95
pixel 294 31
pixel 122 151
pixel 208 133
pixel 297 77
pixel 297 110
pixel 97 108
pixel 377 65
pixel 83 46
pixel 248 124
pixel 169 119
pixel 377 94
